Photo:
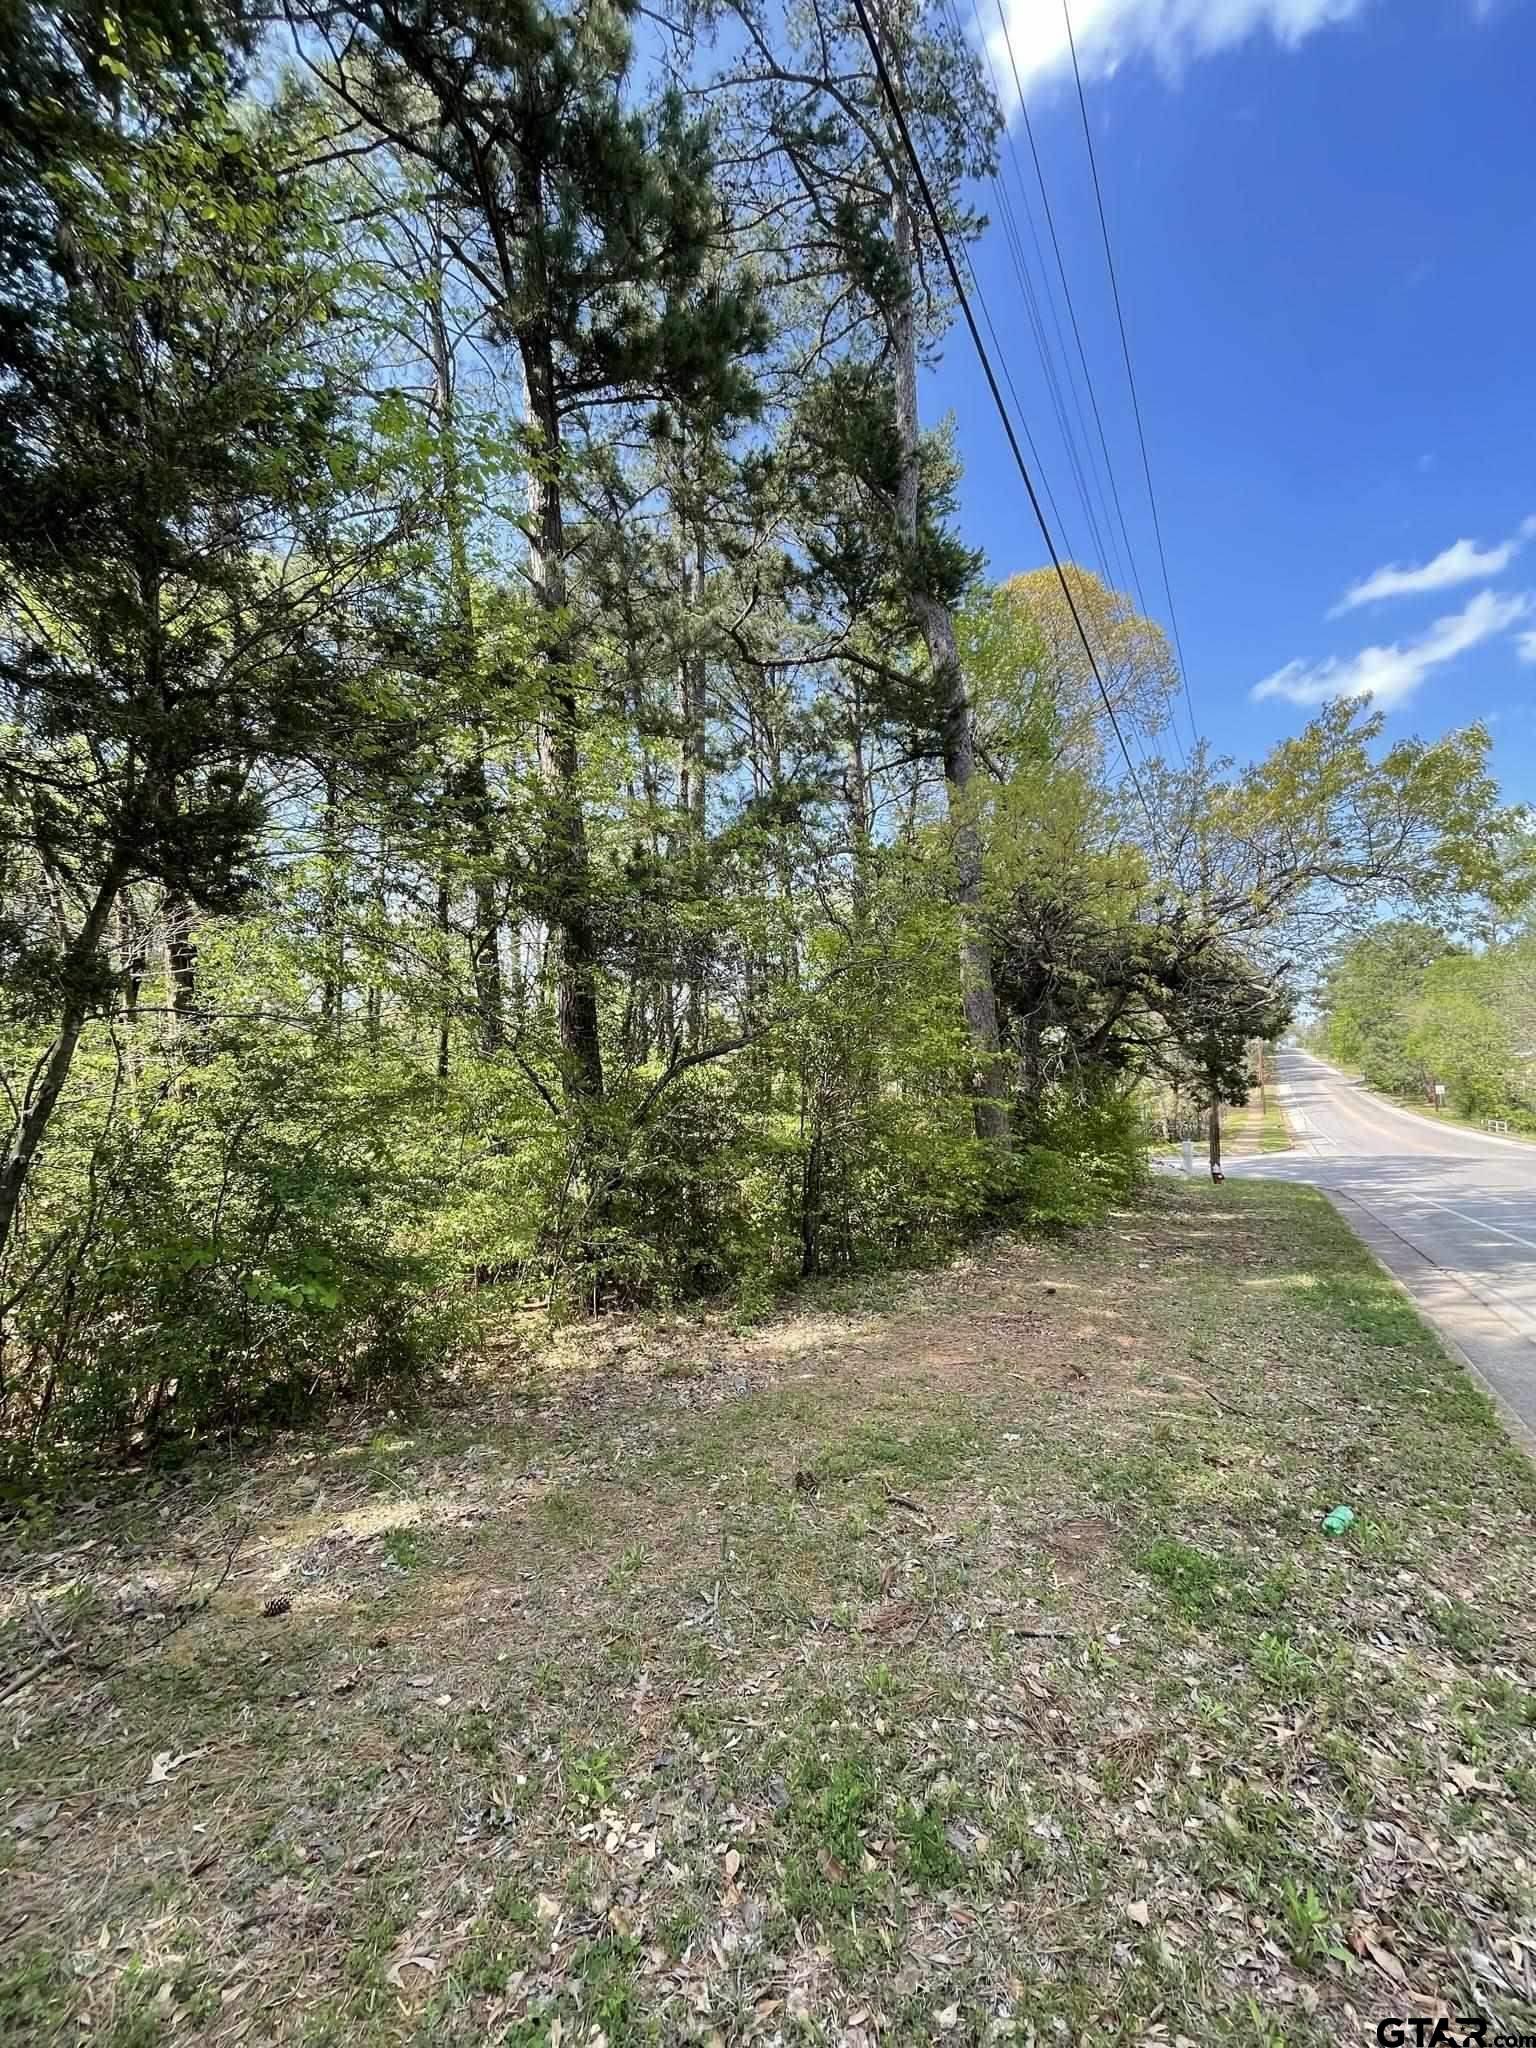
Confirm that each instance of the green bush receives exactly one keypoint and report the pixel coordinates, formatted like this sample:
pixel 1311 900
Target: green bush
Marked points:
pixel 237 1250
pixel 1084 1151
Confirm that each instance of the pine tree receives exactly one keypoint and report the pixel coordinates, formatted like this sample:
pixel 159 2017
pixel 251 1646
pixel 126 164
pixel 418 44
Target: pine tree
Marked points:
pixel 170 451
pixel 813 91
pixel 588 226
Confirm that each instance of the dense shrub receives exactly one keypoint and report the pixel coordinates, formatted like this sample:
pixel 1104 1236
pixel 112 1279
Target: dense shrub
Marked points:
pixel 239 1250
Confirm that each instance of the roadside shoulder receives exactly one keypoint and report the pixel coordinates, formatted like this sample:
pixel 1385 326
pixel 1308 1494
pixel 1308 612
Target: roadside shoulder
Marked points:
pixel 1420 1117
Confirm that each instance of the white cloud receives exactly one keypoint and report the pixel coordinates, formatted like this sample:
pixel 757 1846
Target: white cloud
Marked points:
pixel 1525 647
pixel 1109 33
pixel 1462 562
pixel 1390 675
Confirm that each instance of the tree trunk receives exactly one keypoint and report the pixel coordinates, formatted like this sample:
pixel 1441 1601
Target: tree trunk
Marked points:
pixel 381 914
pixel 471 788
pixel 485 942
pixel 38 1111
pixel 810 1204
pixel 445 1019
pixel 1034 1059
pixel 130 946
pixel 565 837
pixel 649 1012
pixel 333 939
pixel 957 732
pixel 1215 1140
pixel 181 959
pixel 691 786
pixel 860 810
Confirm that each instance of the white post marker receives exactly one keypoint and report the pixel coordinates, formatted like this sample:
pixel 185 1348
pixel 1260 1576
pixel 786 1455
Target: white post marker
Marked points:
pixel 1189 1155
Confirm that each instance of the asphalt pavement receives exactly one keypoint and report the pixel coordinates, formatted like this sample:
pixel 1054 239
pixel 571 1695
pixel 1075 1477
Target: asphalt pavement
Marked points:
pixel 1451 1212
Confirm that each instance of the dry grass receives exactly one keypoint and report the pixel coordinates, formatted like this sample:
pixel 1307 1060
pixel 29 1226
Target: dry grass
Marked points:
pixel 956 1660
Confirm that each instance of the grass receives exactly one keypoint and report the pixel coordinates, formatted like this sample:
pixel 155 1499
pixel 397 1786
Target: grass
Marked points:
pixel 1274 1131
pixel 1513 1127
pixel 1257 1126
pixel 961 1661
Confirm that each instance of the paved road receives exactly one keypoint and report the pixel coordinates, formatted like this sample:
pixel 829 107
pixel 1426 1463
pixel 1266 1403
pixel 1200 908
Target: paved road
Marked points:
pixel 1452 1212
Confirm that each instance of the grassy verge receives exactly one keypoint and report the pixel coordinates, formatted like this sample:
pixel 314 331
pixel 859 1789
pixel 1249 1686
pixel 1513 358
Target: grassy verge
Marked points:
pixel 961 1663
pixel 1260 1129
pixel 1417 1106
pixel 1247 1130
pixel 1274 1133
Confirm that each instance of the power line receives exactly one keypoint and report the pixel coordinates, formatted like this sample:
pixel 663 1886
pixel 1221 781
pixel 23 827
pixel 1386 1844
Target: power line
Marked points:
pixel 893 101
pixel 1045 482
pixel 1001 354
pixel 1061 272
pixel 1085 471
pixel 1130 376
pixel 1086 479
pixel 1048 368
pixel 1109 470
pixel 1063 423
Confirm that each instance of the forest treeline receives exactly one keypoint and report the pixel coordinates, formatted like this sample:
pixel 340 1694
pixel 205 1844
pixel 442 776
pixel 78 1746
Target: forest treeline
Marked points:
pixel 1411 1006
pixel 513 790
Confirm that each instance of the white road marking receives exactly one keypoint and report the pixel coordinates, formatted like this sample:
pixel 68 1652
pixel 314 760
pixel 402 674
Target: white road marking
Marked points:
pixel 1518 1315
pixel 1430 1126
pixel 1427 1195
pixel 1479 1222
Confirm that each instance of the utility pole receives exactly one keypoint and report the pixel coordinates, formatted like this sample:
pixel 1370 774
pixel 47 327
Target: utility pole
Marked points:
pixel 1214 1127
pixel 1215 1138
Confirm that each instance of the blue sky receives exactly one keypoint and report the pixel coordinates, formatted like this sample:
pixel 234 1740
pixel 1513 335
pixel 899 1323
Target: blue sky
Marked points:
pixel 1326 246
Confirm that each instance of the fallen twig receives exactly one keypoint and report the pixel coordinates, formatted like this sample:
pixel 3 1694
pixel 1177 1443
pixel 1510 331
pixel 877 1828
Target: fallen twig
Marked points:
pixel 1228 1407
pixel 62 1655
pixel 905 1642
pixel 71 1652
pixel 902 1500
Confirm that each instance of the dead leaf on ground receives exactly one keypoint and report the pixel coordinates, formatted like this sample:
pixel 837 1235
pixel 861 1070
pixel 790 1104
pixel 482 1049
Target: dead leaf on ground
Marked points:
pixel 166 1762
pixel 1386 1962
pixel 426 1964
pixel 892 1618
pixel 1467 1779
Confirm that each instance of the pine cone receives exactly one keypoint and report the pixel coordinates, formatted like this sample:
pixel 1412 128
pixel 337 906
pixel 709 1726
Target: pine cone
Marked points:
pixel 276 1607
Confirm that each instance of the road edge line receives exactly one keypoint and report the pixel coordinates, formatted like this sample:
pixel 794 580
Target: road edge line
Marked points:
pixel 1422 1117
pixel 1516 1428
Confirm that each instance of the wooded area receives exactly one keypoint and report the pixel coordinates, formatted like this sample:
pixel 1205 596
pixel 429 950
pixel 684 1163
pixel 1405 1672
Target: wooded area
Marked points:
pixel 1410 1006
pixel 514 791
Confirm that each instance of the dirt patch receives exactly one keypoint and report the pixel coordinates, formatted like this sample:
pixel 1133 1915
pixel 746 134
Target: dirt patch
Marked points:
pixel 958 1662
pixel 1076 1542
